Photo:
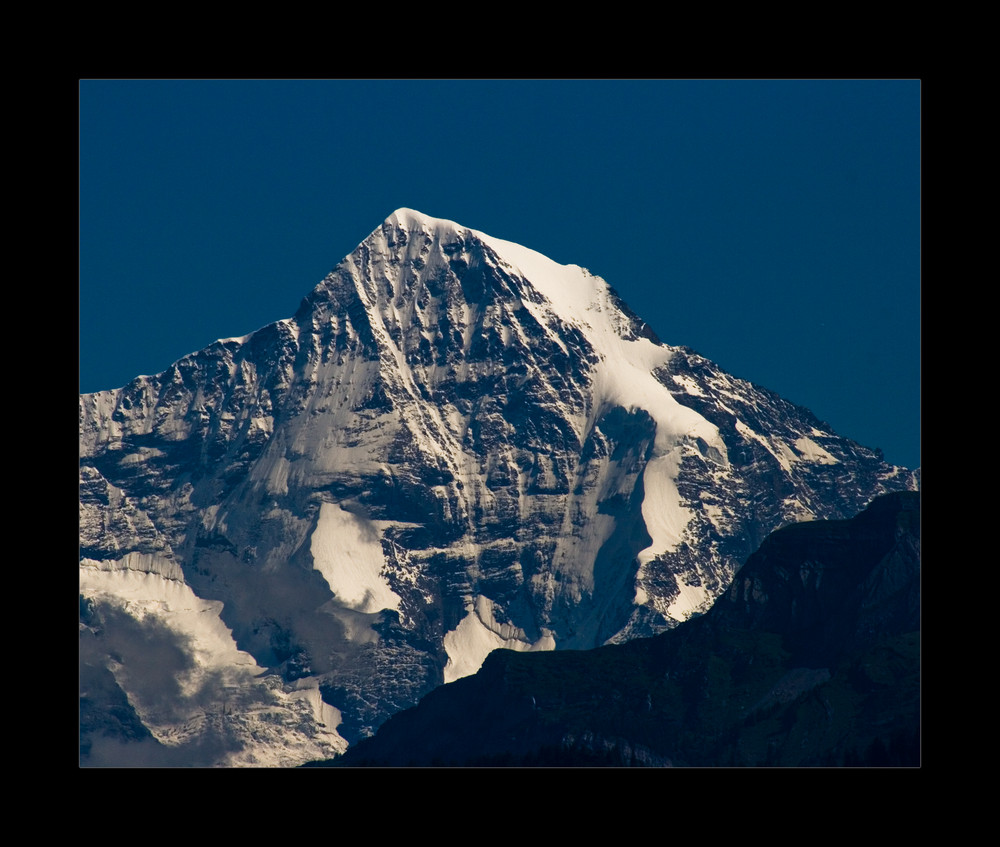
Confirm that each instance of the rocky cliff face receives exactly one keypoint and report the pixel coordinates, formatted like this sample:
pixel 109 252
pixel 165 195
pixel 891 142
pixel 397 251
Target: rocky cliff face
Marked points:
pixel 811 657
pixel 454 445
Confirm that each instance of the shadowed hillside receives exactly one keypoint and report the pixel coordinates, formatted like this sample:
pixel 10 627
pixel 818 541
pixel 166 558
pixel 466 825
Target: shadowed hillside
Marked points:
pixel 811 658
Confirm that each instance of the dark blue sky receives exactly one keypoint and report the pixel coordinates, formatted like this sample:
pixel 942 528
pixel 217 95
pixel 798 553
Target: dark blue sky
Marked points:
pixel 773 226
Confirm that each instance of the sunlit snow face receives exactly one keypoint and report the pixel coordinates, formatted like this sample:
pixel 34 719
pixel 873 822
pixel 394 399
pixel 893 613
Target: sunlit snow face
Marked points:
pixel 347 550
pixel 202 700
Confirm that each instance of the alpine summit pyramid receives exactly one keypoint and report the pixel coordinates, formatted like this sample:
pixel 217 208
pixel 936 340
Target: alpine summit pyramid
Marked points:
pixel 455 444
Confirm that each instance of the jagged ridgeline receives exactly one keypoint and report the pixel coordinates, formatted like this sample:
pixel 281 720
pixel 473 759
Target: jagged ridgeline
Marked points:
pixel 454 445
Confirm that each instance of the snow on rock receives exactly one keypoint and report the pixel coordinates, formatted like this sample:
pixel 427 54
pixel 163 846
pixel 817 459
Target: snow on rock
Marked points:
pixel 782 454
pixel 812 452
pixel 689 385
pixel 141 563
pixel 347 550
pixel 692 598
pixel 197 693
pixel 478 634
pixel 662 511
pixel 805 449
pixel 625 377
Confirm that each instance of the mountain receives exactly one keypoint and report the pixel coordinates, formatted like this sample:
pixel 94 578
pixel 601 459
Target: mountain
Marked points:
pixel 811 657
pixel 455 444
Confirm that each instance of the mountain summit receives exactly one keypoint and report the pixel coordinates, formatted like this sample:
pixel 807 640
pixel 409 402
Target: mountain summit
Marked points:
pixel 455 444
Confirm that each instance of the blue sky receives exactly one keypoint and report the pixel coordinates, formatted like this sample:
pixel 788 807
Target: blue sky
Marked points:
pixel 773 226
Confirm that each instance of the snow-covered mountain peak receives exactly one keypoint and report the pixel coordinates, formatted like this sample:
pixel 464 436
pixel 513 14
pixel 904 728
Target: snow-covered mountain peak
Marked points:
pixel 574 293
pixel 529 262
pixel 412 220
pixel 455 444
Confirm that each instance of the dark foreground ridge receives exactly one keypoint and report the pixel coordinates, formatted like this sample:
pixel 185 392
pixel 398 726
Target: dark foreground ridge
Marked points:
pixel 811 658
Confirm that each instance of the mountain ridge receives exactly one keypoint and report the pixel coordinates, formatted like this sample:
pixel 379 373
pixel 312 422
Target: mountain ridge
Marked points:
pixel 440 453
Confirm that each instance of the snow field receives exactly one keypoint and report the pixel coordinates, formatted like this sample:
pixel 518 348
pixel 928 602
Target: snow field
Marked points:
pixel 478 634
pixel 347 550
pixel 266 722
